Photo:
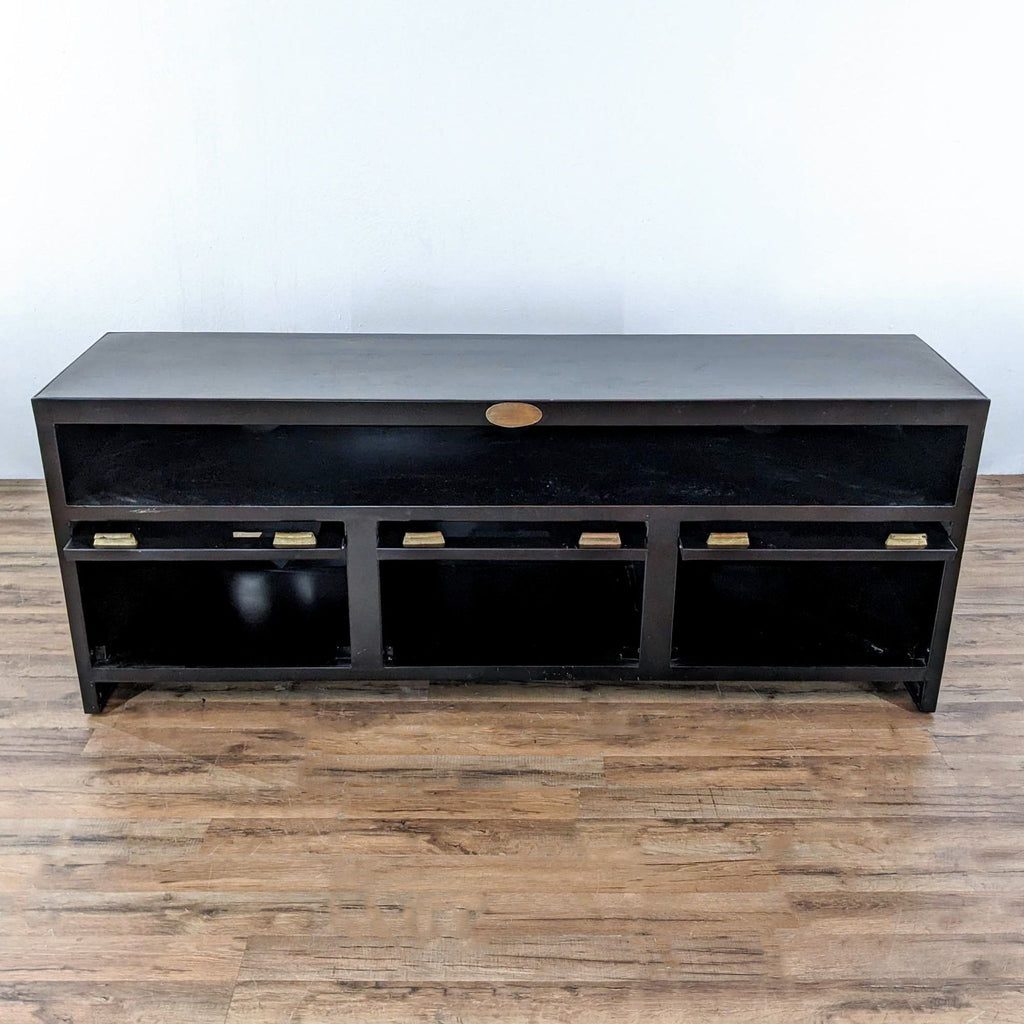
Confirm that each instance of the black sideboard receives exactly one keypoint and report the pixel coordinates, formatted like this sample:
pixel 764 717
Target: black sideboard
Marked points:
pixel 644 507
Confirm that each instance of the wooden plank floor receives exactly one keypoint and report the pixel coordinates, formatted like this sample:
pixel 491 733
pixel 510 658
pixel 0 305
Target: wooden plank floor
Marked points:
pixel 491 854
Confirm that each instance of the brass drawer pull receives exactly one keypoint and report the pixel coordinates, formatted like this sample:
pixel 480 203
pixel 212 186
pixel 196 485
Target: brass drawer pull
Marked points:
pixel 513 414
pixel 423 539
pixel 907 540
pixel 294 539
pixel 740 539
pixel 600 540
pixel 114 540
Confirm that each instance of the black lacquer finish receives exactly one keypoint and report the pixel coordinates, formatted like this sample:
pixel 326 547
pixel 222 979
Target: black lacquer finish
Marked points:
pixel 204 445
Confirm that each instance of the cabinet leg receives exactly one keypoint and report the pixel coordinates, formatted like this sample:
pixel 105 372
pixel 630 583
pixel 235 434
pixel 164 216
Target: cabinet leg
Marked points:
pixel 93 699
pixel 924 695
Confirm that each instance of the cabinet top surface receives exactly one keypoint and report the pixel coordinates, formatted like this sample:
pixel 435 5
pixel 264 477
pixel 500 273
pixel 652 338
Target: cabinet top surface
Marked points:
pixel 493 367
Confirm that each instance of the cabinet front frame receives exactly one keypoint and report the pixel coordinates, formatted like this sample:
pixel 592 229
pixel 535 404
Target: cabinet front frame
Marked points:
pixel 662 523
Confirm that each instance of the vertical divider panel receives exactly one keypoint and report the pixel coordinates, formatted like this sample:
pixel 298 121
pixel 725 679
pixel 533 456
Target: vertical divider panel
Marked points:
pixel 659 595
pixel 927 696
pixel 363 592
pixel 47 432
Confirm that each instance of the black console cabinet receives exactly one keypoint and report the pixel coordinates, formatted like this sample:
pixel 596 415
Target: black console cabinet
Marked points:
pixel 422 506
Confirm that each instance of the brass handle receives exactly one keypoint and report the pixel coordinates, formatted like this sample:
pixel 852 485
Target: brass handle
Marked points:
pixel 114 540
pixel 423 539
pixel 513 414
pixel 294 539
pixel 907 540
pixel 740 539
pixel 600 540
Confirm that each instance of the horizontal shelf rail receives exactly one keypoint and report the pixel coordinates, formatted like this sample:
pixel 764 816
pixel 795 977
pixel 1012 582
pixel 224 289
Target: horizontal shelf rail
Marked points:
pixel 626 672
pixel 81 553
pixel 446 554
pixel 816 554
pixel 526 513
pixel 798 673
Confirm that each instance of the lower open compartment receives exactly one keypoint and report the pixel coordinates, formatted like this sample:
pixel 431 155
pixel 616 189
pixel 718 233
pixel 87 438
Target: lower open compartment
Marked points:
pixel 551 613
pixel 195 614
pixel 802 613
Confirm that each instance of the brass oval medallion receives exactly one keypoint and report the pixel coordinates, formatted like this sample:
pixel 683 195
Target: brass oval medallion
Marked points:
pixel 513 414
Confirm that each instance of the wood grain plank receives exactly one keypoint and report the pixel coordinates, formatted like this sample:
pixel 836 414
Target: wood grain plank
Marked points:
pixel 104 1002
pixel 101 957
pixel 648 1002
pixel 565 957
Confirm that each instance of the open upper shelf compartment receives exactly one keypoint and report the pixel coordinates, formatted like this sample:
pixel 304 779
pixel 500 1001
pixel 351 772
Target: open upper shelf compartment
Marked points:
pixel 201 464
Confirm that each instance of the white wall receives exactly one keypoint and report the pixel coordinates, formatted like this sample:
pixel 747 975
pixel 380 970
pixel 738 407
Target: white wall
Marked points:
pixel 469 165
